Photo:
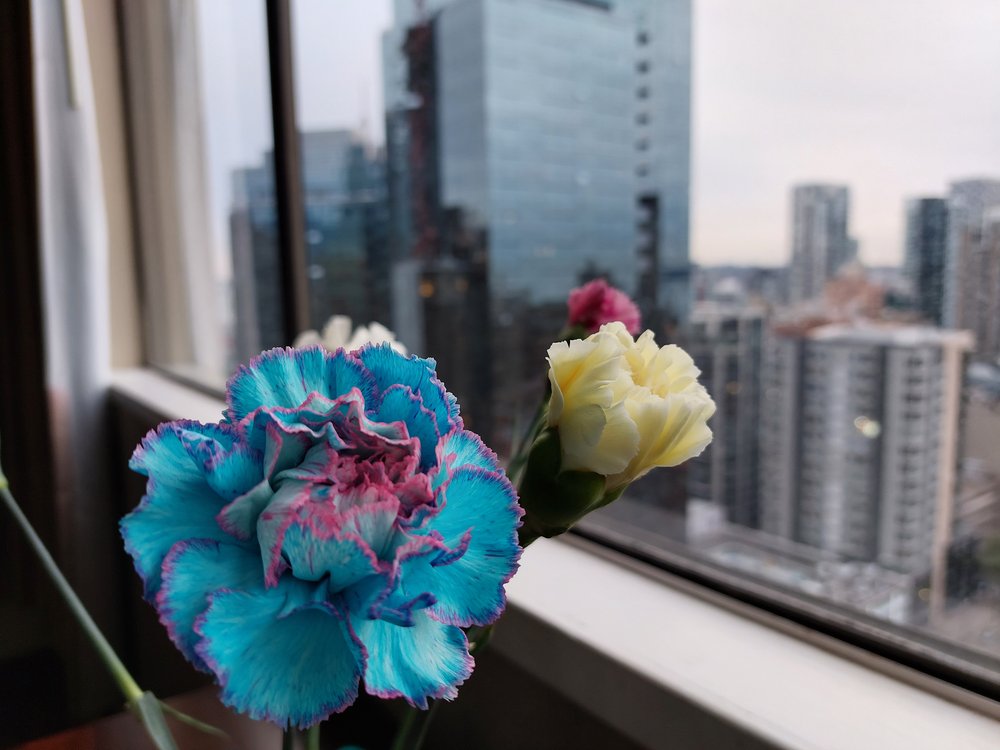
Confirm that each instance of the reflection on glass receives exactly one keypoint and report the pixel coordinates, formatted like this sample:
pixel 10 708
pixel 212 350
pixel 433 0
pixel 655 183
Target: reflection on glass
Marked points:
pixel 222 94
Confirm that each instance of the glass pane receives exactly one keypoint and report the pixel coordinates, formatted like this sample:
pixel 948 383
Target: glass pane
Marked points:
pixel 210 245
pixel 427 214
pixel 467 163
pixel 847 198
pixel 339 109
pixel 240 158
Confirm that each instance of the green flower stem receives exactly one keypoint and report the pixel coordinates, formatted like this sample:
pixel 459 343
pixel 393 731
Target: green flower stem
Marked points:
pixel 413 732
pixel 424 724
pixel 523 448
pixel 311 736
pixel 146 707
pixel 130 689
pixel 405 729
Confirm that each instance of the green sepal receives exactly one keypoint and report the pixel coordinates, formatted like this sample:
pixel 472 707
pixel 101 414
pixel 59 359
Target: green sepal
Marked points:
pixel 569 333
pixel 554 500
pixel 610 497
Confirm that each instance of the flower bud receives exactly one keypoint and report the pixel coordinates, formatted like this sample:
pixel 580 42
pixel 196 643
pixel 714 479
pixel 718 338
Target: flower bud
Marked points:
pixel 596 303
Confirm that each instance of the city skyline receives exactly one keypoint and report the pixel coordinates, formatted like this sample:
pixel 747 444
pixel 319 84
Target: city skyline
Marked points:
pixel 839 460
pixel 866 108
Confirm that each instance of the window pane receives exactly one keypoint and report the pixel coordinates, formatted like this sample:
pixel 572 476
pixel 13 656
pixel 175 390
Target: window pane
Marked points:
pixel 458 195
pixel 847 194
pixel 339 110
pixel 201 124
pixel 467 163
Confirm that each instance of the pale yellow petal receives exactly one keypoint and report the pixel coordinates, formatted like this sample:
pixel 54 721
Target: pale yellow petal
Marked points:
pixel 556 400
pixel 618 444
pixel 598 440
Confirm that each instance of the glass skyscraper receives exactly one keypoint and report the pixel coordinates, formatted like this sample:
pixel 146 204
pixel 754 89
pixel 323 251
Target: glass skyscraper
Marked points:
pixel 345 231
pixel 532 145
pixel 562 129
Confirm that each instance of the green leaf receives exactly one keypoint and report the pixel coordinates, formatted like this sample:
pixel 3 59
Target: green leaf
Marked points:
pixel 150 712
pixel 193 722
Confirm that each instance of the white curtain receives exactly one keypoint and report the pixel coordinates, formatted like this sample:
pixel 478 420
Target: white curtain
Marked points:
pixel 74 241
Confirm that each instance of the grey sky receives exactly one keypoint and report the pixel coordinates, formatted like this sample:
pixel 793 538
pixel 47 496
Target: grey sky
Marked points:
pixel 338 63
pixel 892 97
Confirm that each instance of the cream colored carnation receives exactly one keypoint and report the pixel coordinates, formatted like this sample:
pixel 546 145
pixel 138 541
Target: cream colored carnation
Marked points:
pixel 337 334
pixel 624 406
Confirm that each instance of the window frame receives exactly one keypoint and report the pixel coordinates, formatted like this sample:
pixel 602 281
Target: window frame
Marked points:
pixel 290 200
pixel 856 629
pixel 921 651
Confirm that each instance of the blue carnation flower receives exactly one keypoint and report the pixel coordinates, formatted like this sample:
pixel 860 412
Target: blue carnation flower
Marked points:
pixel 339 524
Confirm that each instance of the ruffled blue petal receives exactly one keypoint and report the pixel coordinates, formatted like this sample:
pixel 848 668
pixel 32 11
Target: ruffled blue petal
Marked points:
pixel 239 517
pixel 391 368
pixel 180 502
pixel 284 435
pixel 279 657
pixel 400 404
pixel 192 571
pixel 461 448
pixel 428 659
pixel 384 597
pixel 283 378
pixel 274 521
pixel 230 465
pixel 479 520
pixel 375 523
pixel 312 554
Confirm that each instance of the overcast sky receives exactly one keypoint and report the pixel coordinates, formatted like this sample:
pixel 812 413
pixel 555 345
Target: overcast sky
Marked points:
pixel 892 97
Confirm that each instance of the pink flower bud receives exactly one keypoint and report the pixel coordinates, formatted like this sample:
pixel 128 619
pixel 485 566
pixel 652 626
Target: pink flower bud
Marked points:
pixel 597 302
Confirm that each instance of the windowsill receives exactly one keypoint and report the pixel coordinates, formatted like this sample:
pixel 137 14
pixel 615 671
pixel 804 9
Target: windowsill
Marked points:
pixel 668 668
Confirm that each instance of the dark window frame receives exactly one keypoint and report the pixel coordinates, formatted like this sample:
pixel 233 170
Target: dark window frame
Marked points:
pixel 287 171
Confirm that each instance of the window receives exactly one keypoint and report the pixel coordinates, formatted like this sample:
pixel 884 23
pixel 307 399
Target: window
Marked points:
pixel 371 159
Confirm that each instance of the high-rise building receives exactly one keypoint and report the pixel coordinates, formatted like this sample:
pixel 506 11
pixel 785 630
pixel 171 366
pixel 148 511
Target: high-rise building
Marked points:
pixel 821 244
pixel 968 294
pixel 345 232
pixel 562 128
pixel 972 288
pixel 558 132
pixel 987 327
pixel 925 254
pixel 859 436
pixel 399 101
pixel 725 342
pixel 537 140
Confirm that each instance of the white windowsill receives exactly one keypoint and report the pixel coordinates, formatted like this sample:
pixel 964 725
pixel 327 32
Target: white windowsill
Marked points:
pixel 667 668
